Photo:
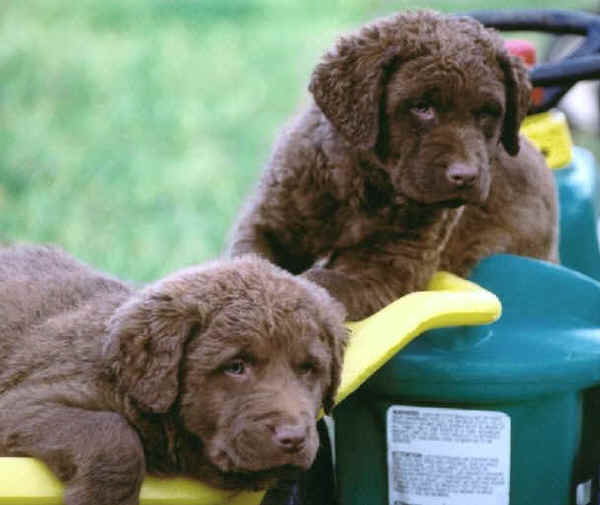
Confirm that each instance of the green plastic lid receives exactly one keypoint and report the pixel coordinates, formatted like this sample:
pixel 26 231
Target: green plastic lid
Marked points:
pixel 547 341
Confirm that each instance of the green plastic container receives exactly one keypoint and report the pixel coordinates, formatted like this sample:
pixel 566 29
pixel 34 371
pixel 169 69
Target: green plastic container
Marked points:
pixel 499 414
pixel 579 194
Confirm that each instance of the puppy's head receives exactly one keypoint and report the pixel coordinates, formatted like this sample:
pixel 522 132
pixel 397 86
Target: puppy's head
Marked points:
pixel 243 352
pixel 433 96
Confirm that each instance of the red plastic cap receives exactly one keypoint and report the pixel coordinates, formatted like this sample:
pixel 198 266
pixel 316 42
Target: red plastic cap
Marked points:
pixel 523 48
pixel 527 52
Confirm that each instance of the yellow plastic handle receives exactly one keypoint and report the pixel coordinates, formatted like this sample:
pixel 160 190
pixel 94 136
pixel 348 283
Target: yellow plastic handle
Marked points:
pixel 450 301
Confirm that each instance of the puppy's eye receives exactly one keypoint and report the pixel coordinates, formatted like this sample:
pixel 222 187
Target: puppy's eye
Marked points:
pixel 488 118
pixel 423 110
pixel 307 367
pixel 236 367
pixel 489 111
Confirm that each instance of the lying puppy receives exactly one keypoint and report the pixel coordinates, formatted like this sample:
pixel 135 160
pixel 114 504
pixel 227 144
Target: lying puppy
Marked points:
pixel 215 372
pixel 408 160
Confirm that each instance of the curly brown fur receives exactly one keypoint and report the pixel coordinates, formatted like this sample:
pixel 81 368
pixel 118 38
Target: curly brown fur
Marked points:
pixel 408 160
pixel 215 372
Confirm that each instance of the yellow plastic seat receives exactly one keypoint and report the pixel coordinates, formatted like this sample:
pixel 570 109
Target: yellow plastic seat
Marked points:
pixel 449 301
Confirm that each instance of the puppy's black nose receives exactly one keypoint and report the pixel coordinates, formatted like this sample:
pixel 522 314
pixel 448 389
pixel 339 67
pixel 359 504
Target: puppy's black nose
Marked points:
pixel 462 174
pixel 290 438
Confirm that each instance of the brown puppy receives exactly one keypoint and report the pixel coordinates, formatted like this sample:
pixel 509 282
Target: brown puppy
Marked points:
pixel 413 117
pixel 215 372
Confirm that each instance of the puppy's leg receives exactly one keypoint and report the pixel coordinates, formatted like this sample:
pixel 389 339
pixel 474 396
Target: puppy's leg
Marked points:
pixel 365 280
pixel 271 245
pixel 96 454
pixel 249 240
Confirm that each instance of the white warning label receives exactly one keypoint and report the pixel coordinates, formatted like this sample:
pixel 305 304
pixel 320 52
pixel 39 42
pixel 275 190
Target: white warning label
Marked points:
pixel 442 456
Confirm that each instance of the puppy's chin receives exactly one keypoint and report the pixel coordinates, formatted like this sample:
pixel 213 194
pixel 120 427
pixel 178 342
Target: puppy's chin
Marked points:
pixel 475 198
pixel 447 203
pixel 471 196
pixel 453 203
pixel 228 460
pixel 262 479
pixel 255 481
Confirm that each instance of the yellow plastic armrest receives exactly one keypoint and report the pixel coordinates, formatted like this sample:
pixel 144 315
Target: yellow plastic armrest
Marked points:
pixel 27 481
pixel 449 301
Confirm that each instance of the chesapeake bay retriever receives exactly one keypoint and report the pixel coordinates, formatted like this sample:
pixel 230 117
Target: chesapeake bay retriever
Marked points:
pixel 215 372
pixel 407 160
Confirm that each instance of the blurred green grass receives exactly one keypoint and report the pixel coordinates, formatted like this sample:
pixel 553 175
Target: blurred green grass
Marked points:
pixel 130 132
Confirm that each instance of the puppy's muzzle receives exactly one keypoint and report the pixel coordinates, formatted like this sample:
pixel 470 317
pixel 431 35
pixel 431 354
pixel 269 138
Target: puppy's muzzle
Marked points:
pixel 462 175
pixel 289 438
pixel 466 182
pixel 259 445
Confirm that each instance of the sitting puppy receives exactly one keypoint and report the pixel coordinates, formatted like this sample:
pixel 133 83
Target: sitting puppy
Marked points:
pixel 408 160
pixel 215 372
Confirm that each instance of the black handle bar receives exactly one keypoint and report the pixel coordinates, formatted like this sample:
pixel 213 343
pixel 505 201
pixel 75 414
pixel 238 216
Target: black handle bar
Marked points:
pixel 557 77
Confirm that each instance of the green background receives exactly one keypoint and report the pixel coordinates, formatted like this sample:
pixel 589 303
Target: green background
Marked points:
pixel 131 131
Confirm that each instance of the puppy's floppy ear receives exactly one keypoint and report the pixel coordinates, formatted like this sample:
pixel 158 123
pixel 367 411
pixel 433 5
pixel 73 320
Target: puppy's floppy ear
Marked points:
pixel 347 86
pixel 332 315
pixel 147 336
pixel 338 338
pixel 518 95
